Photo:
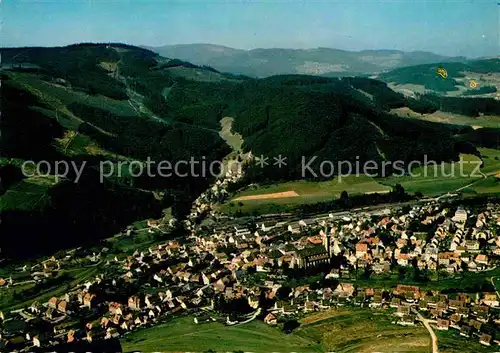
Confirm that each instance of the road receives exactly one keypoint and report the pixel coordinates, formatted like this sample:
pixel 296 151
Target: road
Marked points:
pixel 492 279
pixel 429 328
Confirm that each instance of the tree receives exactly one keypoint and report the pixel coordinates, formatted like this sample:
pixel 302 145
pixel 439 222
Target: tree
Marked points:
pixel 283 292
pixel 399 191
pixel 290 325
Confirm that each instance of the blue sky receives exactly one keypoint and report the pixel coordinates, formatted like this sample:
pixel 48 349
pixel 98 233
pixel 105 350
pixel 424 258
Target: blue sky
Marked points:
pixel 461 27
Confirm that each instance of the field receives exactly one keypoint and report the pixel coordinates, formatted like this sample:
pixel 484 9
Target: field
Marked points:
pixel 275 195
pixel 265 198
pixel 28 194
pixel 342 330
pixel 183 335
pixel 450 118
pixel 451 342
pixel 431 181
pixel 363 330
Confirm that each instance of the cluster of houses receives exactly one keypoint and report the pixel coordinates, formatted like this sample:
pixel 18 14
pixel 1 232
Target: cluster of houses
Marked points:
pixel 250 260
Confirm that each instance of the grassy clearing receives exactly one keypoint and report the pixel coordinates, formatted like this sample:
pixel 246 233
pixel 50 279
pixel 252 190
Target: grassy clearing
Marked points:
pixel 461 282
pixel 234 140
pixel 484 186
pixel 182 335
pixel 28 194
pixel 437 180
pixel 449 118
pixel 451 342
pixel 363 330
pixel 309 192
pixel 491 159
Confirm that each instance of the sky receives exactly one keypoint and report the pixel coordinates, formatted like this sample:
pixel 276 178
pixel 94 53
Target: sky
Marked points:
pixel 468 28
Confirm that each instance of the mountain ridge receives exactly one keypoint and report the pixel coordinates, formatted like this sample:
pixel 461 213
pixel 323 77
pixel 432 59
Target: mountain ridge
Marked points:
pixel 264 62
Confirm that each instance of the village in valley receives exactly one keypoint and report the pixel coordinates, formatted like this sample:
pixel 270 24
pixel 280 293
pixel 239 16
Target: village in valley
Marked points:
pixel 425 263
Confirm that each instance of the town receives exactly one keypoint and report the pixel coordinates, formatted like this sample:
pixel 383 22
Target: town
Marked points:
pixel 275 269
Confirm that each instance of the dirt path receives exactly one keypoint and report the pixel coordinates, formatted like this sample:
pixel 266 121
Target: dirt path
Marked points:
pixel 431 331
pixel 275 195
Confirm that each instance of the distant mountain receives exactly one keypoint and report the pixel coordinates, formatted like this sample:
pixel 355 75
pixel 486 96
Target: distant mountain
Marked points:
pixel 318 61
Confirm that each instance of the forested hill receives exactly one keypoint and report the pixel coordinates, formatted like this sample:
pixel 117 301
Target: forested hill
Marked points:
pixel 114 102
pixel 484 72
pixel 88 104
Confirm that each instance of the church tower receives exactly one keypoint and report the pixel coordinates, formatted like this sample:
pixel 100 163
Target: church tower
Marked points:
pixel 326 241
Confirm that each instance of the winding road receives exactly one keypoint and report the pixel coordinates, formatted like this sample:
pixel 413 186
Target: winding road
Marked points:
pixel 429 328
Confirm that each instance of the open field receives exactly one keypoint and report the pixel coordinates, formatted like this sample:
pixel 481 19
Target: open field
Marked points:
pixel 277 197
pixel 28 194
pixel 491 159
pixel 363 330
pixel 451 342
pixel 431 181
pixel 182 335
pixel 468 282
pixel 450 118
pixel 437 180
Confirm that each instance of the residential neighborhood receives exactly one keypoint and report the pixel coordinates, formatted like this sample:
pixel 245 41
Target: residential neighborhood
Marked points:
pixel 274 269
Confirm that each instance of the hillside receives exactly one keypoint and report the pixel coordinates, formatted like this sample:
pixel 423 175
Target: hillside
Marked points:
pixel 91 104
pixel 318 61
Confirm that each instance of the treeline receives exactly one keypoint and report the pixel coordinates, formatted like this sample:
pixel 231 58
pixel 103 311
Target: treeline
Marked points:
pixel 398 194
pixel 426 75
pixel 480 90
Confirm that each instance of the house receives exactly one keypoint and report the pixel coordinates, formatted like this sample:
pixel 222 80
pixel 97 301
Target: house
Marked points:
pixel 53 302
pixel 267 226
pixel 395 303
pixel 472 245
pixel 407 320
pixel 402 310
pixel 361 249
pixel 306 223
pixel 36 341
pixel 482 259
pixel 485 339
pixel 294 228
pixel 270 319
pixel 465 331
pixel 87 300
pixel 115 308
pixel 62 306
pixel 460 216
pixel 443 324
pixel 490 299
pixel 134 302
pixel 376 302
